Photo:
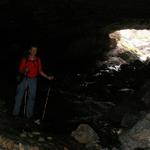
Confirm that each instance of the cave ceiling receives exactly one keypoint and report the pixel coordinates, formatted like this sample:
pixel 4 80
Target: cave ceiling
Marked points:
pixel 67 22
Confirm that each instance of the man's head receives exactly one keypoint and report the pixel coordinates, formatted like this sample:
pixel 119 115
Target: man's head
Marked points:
pixel 33 50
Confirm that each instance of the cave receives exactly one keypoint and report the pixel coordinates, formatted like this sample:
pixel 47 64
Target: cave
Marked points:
pixel 131 41
pixel 95 93
pixel 127 44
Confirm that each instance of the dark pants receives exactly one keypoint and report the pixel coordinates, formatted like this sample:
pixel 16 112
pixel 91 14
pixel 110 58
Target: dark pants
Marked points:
pixel 31 85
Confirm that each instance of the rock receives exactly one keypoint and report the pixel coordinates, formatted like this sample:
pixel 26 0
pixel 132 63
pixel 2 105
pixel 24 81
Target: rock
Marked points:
pixel 126 90
pixel 36 133
pixel 129 119
pixel 114 148
pixel 38 122
pixel 41 139
pixel 90 109
pixel 93 146
pixel 84 134
pixel 34 148
pixel 7 143
pixel 30 135
pixel 21 147
pixel 49 138
pixel 24 135
pixel 65 148
pixel 146 96
pixel 138 136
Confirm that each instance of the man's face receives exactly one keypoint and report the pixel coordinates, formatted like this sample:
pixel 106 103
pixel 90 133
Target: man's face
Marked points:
pixel 33 51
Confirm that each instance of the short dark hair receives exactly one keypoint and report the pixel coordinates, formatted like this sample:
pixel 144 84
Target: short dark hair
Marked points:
pixel 33 46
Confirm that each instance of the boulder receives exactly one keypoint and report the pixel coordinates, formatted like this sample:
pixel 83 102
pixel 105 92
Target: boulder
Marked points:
pixel 138 137
pixel 84 134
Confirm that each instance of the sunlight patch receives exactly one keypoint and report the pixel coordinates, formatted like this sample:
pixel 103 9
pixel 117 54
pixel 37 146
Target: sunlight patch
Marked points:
pixel 135 42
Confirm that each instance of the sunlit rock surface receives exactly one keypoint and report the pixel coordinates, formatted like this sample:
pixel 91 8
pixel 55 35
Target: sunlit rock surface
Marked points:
pixel 130 44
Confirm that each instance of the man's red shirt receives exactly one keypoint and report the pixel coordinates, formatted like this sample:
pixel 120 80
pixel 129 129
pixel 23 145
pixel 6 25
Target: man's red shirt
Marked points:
pixel 34 67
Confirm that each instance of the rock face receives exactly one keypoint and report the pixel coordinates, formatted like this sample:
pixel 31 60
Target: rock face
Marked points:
pixel 146 95
pixel 129 119
pixel 138 136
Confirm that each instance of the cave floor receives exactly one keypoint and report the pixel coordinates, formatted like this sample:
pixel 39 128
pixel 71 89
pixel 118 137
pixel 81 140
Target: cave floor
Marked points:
pixel 19 132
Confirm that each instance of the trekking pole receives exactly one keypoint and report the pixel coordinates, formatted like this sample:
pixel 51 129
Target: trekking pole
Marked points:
pixel 43 115
pixel 25 96
pixel 25 102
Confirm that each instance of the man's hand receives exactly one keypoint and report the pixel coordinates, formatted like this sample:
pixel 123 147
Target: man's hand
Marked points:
pixel 50 77
pixel 26 70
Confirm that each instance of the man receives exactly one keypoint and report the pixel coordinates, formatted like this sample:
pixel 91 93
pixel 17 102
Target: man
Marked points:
pixel 30 67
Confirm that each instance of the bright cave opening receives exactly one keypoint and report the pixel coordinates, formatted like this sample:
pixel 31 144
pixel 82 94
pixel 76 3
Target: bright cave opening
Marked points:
pixel 130 44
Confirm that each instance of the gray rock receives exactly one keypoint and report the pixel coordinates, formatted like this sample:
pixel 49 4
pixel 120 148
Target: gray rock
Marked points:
pixel 114 148
pixel 84 134
pixel 36 133
pixel 129 119
pixel 65 148
pixel 41 139
pixel 21 146
pixel 138 136
pixel 24 135
pixel 93 146
pixel 146 96
pixel 30 135
pixel 49 138
pixel 34 148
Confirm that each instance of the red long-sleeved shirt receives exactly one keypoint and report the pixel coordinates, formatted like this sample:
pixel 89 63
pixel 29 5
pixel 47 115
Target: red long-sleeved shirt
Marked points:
pixel 34 67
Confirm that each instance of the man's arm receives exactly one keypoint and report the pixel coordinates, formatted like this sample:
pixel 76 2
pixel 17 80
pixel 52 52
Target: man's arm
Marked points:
pixel 44 74
pixel 22 66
